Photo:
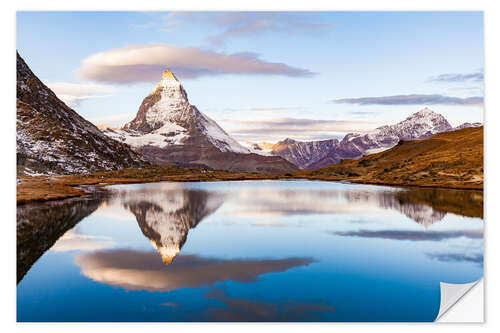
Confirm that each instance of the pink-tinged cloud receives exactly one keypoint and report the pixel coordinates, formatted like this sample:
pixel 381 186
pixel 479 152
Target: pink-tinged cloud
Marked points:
pixel 144 270
pixel 74 93
pixel 414 99
pixel 145 63
pixel 236 24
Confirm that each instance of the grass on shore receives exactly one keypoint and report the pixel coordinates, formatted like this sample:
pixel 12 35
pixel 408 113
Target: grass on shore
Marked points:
pixel 43 188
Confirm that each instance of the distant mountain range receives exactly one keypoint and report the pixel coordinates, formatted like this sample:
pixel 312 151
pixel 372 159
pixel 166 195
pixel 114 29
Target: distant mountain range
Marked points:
pixel 169 130
pixel 317 154
pixel 53 138
pixel 452 159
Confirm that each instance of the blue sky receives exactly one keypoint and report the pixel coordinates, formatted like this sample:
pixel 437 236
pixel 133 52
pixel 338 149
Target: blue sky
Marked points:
pixel 264 76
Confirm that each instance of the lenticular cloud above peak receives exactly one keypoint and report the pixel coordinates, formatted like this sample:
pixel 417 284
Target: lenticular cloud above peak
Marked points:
pixel 142 63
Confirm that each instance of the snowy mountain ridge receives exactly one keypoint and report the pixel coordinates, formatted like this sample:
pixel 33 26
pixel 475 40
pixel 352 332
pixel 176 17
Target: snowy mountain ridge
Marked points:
pixel 315 154
pixel 53 139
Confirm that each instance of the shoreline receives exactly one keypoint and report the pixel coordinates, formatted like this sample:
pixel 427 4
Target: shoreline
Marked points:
pixel 49 188
pixel 382 183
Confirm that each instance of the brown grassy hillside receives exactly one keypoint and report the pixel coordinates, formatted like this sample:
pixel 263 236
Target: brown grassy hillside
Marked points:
pixel 451 159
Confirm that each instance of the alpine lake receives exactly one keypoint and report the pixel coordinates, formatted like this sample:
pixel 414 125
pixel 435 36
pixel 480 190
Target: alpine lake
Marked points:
pixel 246 251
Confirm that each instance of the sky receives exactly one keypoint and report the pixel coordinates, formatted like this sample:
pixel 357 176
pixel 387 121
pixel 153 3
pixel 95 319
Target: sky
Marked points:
pixel 264 76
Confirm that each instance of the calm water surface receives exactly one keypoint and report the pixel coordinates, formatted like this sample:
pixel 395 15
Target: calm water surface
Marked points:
pixel 246 251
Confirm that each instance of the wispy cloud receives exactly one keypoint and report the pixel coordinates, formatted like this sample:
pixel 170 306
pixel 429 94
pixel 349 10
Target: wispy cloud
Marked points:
pixel 145 63
pixel 76 241
pixel 301 129
pixel 241 24
pixel 113 121
pixel 414 99
pixel 238 24
pixel 250 309
pixel 412 235
pixel 284 110
pixel 458 257
pixel 74 93
pixel 170 22
pixel 467 77
pixel 278 109
pixel 361 114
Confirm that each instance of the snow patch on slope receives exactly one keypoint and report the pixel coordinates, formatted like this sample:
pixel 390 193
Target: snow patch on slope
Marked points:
pixel 218 137
pixel 168 134
pixel 315 154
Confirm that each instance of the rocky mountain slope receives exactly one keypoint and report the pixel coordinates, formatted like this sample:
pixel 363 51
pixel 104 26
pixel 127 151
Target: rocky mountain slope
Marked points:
pixel 169 130
pixel 452 159
pixel 53 139
pixel 317 154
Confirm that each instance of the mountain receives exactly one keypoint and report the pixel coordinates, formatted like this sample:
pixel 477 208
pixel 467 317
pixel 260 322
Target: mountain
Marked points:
pixel 423 214
pixel 468 125
pixel 452 159
pixel 317 154
pixel 53 139
pixel 306 154
pixel 169 130
pixel 166 213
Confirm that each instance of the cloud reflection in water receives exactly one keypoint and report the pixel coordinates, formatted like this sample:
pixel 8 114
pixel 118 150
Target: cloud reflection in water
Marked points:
pixel 246 309
pixel 142 270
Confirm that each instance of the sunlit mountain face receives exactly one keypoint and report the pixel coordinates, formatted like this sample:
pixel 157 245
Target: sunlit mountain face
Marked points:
pixel 241 251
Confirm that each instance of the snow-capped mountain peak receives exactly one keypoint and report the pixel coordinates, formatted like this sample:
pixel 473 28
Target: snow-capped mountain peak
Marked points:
pixel 424 112
pixel 288 141
pixel 420 125
pixel 468 125
pixel 166 118
pixel 315 154
pixel 168 79
pixel 169 130
pixel 170 87
pixel 428 117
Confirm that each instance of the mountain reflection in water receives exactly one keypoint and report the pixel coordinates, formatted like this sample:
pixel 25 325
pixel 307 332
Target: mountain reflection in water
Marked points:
pixel 40 225
pixel 166 213
pixel 415 203
pixel 212 252
pixel 424 206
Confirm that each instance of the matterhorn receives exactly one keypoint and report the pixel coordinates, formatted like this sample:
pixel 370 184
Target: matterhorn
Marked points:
pixel 169 130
